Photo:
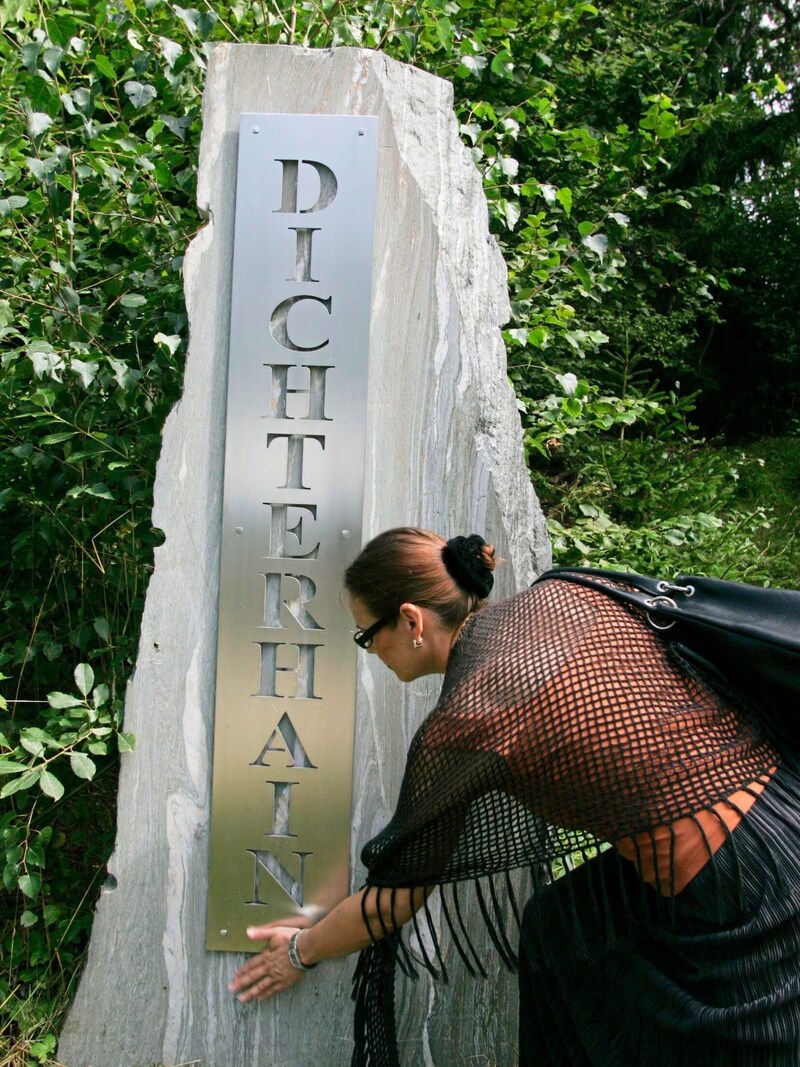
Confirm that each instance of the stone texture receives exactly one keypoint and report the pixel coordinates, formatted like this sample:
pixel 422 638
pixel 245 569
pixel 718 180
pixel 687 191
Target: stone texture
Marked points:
pixel 443 451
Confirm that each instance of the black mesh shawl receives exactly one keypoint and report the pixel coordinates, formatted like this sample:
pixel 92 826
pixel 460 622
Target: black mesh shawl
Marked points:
pixel 564 721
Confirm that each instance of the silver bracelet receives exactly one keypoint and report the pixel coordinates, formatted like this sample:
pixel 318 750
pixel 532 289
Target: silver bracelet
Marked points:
pixel 294 955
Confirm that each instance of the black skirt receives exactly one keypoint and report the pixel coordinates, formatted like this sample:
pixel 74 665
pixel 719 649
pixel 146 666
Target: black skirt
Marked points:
pixel 613 975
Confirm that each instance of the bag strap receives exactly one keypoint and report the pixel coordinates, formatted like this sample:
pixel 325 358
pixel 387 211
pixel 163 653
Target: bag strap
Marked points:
pixel 652 596
pixel 762 614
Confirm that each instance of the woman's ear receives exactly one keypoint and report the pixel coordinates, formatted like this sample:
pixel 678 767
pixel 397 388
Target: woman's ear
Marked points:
pixel 412 619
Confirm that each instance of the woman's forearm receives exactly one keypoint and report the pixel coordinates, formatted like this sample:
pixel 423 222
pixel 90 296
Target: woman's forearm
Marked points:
pixel 343 931
pixel 339 933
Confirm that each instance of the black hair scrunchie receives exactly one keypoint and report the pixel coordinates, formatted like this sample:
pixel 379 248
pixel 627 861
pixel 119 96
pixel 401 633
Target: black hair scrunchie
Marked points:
pixel 464 563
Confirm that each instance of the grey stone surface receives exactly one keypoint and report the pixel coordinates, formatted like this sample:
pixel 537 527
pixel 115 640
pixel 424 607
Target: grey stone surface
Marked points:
pixel 443 451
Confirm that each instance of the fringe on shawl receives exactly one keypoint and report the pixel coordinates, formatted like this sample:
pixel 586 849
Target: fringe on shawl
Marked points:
pixel 374 977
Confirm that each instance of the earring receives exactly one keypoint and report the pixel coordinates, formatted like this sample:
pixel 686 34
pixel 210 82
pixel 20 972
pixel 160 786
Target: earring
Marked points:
pixel 417 643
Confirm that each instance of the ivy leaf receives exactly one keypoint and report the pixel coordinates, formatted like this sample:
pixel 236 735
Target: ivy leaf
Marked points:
pixel 582 274
pixel 171 342
pixel 87 372
pixel 564 197
pixel 38 123
pixel 140 94
pixel 28 918
pixel 11 203
pixel 170 50
pixel 30 884
pixel 597 243
pixel 177 124
pixel 474 64
pixel 199 24
pixel 30 54
pixel 104 67
pixel 133 300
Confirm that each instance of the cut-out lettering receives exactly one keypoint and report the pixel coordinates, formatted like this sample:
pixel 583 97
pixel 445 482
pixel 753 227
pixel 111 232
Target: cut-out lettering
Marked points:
pixel 305 591
pixel 328 186
pixel 281 808
pixel 279 529
pixel 302 255
pixel 272 601
pixel 292 746
pixel 279 322
pixel 265 861
pixel 303 672
pixel 280 391
pixel 295 451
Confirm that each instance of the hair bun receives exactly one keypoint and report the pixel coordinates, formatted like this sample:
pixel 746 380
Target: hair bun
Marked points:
pixel 465 564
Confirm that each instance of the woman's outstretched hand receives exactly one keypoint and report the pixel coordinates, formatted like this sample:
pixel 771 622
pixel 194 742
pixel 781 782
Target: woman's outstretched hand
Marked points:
pixel 353 924
pixel 269 972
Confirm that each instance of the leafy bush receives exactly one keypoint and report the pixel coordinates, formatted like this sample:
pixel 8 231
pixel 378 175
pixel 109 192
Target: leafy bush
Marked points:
pixel 662 507
pixel 594 128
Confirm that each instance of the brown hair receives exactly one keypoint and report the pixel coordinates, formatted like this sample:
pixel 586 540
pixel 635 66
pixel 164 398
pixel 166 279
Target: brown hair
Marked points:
pixel 406 565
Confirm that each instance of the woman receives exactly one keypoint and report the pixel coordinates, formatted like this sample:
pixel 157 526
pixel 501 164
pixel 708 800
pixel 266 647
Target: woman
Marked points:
pixel 565 725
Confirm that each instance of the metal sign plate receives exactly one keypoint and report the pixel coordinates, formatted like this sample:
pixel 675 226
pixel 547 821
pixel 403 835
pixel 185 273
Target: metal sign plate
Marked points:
pixel 292 512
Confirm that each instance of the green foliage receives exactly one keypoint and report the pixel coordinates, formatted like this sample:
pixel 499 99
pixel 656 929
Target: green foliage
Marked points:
pixel 636 156
pixel 96 207
pixel 662 509
pixel 46 826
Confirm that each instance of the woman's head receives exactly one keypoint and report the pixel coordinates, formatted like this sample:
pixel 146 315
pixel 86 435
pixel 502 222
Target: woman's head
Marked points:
pixel 410 565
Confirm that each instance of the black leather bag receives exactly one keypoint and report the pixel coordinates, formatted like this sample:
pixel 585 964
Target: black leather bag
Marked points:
pixel 740 636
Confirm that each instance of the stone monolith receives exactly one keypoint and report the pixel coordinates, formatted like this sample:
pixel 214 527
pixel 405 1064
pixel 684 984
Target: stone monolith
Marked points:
pixel 443 451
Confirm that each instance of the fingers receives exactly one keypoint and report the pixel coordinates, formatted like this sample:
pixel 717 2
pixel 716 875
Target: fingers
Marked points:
pixel 262 933
pixel 265 988
pixel 259 933
pixel 270 971
pixel 255 970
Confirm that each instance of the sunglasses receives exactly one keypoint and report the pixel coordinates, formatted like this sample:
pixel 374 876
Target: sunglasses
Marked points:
pixel 364 638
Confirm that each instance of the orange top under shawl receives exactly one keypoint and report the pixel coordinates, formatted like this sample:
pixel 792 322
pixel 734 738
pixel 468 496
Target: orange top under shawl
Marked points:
pixel 669 857
pixel 564 719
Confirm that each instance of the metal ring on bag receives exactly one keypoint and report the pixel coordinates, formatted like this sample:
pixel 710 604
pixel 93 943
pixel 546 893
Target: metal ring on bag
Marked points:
pixel 670 587
pixel 659 602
